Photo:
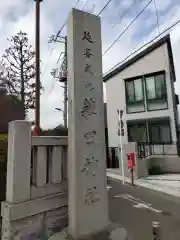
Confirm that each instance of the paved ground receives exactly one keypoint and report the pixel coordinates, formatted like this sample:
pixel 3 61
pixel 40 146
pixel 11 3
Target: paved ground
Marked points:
pixel 134 209
pixel 168 183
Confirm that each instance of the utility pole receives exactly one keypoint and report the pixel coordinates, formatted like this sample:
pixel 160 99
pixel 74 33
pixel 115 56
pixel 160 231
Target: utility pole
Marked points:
pixel 37 48
pixel 62 74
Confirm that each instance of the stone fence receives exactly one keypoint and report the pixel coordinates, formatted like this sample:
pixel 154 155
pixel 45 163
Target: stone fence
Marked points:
pixel 36 191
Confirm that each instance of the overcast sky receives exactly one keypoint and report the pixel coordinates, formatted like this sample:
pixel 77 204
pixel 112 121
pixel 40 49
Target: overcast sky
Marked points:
pixel 16 15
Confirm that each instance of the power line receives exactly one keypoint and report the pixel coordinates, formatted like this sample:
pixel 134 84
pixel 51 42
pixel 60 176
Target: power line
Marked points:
pixel 125 13
pixel 87 1
pixel 59 32
pixel 157 16
pixel 158 28
pixel 54 39
pixel 146 44
pixel 47 62
pixel 92 10
pixel 105 6
pixel 117 39
pixel 59 57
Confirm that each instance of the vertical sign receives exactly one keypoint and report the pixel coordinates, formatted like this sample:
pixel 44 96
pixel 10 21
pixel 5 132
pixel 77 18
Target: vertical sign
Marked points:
pixel 121 134
pixel 88 203
pixel 120 123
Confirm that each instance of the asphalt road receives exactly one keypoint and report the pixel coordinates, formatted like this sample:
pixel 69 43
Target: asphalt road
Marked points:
pixel 135 208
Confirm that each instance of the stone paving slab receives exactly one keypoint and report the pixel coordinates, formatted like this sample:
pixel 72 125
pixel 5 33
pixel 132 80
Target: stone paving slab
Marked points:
pixel 114 233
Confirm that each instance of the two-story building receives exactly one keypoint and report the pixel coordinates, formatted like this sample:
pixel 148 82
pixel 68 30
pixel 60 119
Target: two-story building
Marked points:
pixel 143 87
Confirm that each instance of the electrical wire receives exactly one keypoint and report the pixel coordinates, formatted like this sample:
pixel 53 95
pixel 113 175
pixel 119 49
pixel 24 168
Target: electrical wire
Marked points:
pixel 146 44
pixel 56 40
pixel 158 28
pixel 60 57
pixel 92 10
pixel 157 17
pixel 47 62
pixel 105 6
pixel 87 1
pixel 66 23
pixel 59 32
pixel 125 13
pixel 50 54
pixel 137 16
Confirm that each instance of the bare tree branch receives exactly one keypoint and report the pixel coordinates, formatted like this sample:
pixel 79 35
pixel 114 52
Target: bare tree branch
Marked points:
pixel 18 63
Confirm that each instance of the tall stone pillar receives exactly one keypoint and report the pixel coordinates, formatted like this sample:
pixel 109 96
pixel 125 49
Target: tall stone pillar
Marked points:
pixel 88 201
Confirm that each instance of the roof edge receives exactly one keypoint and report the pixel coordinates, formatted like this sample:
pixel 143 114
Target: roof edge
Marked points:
pixel 151 48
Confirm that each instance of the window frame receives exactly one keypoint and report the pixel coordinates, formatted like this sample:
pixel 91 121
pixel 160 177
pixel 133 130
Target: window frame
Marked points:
pixel 132 123
pixel 155 100
pixel 159 122
pixel 148 123
pixel 128 103
pixel 145 99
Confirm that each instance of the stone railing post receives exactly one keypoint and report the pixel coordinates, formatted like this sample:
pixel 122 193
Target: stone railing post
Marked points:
pixel 19 162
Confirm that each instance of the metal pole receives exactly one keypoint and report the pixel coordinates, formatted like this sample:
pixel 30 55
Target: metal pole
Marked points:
pixel 121 145
pixel 65 88
pixel 145 105
pixel 156 231
pixel 132 176
pixel 37 43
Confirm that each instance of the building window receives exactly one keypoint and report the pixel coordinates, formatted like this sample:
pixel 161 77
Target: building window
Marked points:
pixel 159 132
pixel 156 87
pixel 155 132
pixel 146 91
pixel 134 95
pixel 137 132
pixel 156 93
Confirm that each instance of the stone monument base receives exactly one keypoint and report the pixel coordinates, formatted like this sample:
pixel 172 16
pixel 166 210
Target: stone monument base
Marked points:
pixel 114 232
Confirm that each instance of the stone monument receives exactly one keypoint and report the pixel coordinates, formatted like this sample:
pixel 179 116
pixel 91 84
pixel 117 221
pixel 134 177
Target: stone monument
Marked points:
pixel 88 202
pixel 87 187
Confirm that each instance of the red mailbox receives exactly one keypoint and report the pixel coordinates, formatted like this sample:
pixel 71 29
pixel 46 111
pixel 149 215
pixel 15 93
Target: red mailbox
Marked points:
pixel 131 160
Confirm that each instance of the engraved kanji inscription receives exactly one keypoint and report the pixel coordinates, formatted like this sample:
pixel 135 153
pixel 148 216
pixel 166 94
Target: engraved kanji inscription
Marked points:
pixel 89 108
pixel 89 86
pixel 88 69
pixel 88 53
pixel 89 163
pixel 91 196
pixel 90 137
pixel 87 36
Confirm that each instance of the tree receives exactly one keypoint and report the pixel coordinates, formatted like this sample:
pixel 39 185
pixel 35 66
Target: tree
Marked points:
pixel 18 70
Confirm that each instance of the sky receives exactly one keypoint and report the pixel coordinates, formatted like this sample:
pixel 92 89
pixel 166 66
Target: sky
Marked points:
pixel 20 15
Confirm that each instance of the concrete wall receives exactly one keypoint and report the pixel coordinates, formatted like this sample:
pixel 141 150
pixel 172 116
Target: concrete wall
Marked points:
pixel 157 60
pixel 36 192
pixel 167 164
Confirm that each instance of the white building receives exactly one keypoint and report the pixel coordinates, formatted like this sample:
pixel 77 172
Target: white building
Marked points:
pixel 143 88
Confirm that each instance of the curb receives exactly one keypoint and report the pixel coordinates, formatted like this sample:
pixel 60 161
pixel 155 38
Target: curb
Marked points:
pixel 144 185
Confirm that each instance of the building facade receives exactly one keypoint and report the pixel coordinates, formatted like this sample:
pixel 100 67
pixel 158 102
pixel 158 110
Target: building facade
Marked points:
pixel 143 88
